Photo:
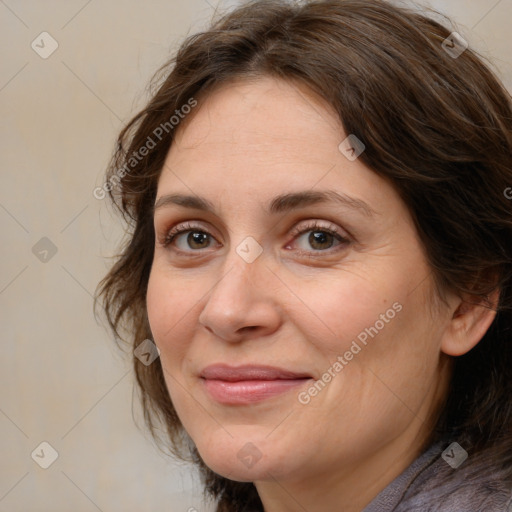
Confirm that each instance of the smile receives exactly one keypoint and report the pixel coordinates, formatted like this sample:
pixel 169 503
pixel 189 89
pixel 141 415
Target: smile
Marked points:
pixel 248 384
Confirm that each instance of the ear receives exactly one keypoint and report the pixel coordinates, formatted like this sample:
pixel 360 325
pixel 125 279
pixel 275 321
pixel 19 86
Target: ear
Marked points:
pixel 471 319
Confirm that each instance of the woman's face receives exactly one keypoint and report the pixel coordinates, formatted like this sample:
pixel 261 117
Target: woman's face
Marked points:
pixel 294 311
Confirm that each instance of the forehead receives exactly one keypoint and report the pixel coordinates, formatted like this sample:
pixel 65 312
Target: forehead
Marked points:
pixel 249 141
pixel 267 119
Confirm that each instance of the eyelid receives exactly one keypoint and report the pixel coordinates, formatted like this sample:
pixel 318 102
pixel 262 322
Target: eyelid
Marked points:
pixel 317 224
pixel 344 239
pixel 168 236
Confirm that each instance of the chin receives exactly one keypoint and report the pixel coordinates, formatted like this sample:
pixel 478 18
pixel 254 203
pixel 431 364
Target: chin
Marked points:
pixel 244 458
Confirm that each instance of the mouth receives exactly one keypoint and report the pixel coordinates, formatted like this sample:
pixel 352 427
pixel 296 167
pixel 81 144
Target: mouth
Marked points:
pixel 243 385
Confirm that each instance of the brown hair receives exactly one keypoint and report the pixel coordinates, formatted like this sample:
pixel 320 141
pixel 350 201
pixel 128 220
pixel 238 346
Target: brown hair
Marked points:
pixel 438 127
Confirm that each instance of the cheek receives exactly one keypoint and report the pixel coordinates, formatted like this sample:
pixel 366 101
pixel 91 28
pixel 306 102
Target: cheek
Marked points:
pixel 383 333
pixel 170 306
pixel 339 308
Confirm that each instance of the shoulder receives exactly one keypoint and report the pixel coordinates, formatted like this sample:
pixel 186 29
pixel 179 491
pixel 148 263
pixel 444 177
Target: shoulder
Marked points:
pixel 434 483
pixel 464 498
pixel 470 487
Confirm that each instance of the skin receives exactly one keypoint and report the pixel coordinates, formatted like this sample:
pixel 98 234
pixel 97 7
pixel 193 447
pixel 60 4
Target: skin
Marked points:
pixel 298 305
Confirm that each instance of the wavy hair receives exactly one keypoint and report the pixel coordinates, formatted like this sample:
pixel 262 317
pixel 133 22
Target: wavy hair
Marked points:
pixel 438 127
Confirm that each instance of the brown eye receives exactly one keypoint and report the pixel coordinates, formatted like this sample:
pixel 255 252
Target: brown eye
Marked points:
pixel 194 240
pixel 315 238
pixel 197 239
pixel 188 237
pixel 320 240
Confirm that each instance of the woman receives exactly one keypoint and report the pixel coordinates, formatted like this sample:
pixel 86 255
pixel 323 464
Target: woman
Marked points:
pixel 321 250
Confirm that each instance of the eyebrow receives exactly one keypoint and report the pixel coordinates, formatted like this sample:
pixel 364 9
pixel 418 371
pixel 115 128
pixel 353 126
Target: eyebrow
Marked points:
pixel 280 204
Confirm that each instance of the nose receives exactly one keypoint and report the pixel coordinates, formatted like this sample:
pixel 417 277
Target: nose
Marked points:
pixel 243 304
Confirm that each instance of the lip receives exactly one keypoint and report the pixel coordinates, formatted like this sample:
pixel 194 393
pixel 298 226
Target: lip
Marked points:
pixel 242 385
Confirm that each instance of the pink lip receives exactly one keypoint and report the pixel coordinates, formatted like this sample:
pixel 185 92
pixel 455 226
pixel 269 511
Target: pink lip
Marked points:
pixel 248 384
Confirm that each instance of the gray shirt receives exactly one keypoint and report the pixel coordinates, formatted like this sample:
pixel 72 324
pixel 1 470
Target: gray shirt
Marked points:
pixel 460 491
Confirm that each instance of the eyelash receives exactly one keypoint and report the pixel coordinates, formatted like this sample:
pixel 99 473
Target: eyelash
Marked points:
pixel 296 233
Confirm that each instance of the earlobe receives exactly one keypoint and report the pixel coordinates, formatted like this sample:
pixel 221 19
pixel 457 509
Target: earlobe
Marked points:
pixel 470 321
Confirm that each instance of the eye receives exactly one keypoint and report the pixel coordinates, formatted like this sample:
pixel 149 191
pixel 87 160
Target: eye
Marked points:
pixel 316 237
pixel 186 237
pixel 311 238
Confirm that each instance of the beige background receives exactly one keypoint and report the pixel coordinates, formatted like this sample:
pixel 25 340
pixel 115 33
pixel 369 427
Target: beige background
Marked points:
pixel 63 380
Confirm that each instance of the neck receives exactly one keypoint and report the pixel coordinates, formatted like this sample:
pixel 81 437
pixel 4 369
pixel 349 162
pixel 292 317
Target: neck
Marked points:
pixel 348 491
